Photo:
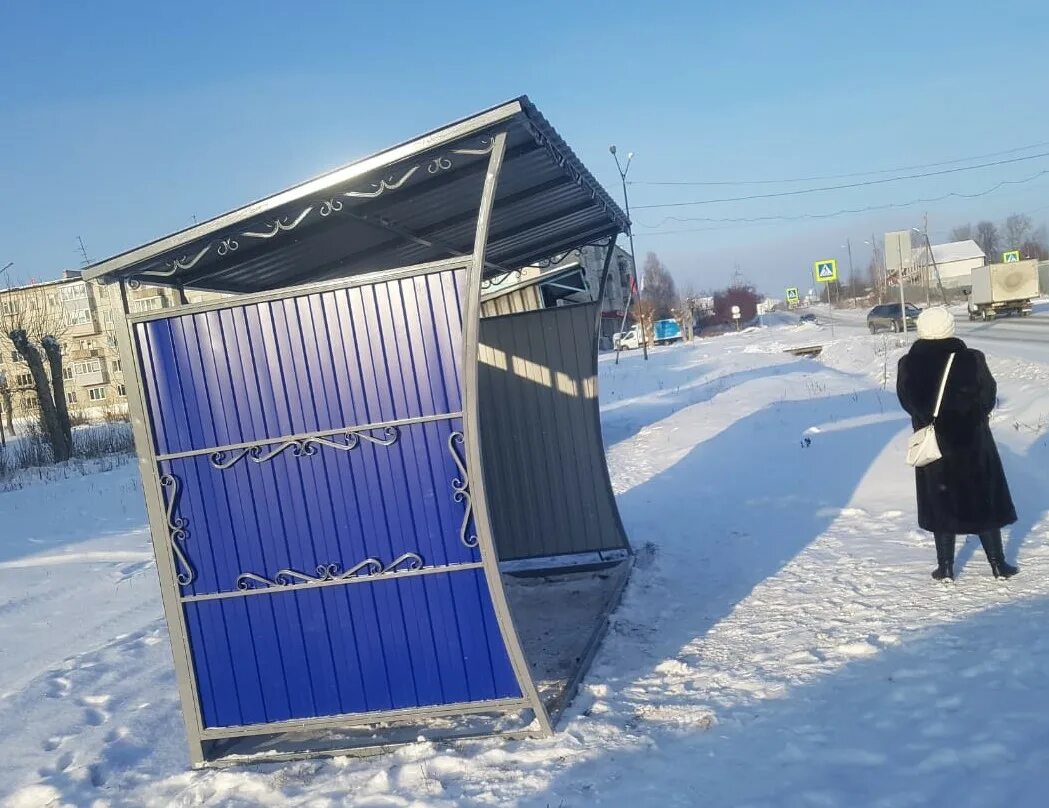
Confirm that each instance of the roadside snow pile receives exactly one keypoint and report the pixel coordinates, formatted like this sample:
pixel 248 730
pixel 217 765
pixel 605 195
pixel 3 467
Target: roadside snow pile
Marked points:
pixel 780 644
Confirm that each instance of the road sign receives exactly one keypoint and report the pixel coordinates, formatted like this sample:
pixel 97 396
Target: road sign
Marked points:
pixel 1011 257
pixel 826 270
pixel 792 294
pixel 736 313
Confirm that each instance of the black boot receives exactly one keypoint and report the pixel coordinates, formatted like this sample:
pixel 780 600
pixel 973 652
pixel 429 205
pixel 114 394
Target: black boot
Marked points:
pixel 944 557
pixel 992 546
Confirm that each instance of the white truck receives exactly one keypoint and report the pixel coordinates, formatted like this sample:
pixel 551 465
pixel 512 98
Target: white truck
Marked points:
pixel 1003 289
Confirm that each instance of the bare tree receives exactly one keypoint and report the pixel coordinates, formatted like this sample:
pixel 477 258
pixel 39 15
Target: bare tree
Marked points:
pixel 660 291
pixel 5 402
pixel 986 235
pixel 30 322
pixel 1018 229
pixel 963 232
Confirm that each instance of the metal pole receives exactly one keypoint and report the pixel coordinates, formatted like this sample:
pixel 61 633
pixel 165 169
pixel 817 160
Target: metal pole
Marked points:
pixel 633 255
pixel 903 302
pixel 852 272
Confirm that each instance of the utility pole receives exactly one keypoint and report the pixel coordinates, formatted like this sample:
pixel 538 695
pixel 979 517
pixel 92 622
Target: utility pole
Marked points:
pixel 932 260
pixel 899 277
pixel 633 255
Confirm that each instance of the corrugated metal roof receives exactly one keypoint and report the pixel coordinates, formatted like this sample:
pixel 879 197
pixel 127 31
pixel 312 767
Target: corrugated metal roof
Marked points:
pixel 954 251
pixel 409 204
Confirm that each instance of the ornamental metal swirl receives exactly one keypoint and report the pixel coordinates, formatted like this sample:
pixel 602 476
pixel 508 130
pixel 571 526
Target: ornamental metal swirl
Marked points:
pixel 302 447
pixel 177 532
pixel 461 489
pixel 368 568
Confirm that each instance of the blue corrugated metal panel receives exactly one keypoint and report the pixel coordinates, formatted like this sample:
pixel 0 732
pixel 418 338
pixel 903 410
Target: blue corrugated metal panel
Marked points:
pixel 334 507
pixel 258 373
pixel 383 352
pixel 348 649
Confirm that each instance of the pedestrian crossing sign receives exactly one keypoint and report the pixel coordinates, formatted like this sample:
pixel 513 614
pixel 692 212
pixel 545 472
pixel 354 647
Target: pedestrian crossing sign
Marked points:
pixel 1011 257
pixel 827 270
pixel 792 294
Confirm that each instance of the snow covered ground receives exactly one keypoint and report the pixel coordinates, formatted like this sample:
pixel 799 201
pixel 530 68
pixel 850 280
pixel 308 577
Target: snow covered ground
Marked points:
pixel 780 644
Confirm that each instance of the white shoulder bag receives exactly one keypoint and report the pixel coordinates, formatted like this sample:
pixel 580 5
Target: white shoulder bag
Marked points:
pixel 922 449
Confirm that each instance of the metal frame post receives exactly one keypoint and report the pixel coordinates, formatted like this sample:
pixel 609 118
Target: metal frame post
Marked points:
pixel 158 528
pixel 471 430
pixel 602 285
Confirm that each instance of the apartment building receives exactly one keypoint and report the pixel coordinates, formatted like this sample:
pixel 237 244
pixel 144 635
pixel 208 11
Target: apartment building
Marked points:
pixel 80 315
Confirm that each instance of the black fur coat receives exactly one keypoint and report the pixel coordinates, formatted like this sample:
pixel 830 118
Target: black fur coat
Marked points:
pixel 965 491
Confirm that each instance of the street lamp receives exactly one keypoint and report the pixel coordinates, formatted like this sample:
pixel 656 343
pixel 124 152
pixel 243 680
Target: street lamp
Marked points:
pixel 633 256
pixel 852 275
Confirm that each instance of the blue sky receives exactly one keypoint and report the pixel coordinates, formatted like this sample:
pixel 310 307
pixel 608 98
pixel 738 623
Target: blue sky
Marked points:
pixel 122 121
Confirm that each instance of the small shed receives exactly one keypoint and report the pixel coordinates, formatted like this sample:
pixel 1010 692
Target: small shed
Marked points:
pixel 376 514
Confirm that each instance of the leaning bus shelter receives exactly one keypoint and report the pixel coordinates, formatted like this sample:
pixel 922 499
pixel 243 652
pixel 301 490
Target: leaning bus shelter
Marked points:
pixel 377 514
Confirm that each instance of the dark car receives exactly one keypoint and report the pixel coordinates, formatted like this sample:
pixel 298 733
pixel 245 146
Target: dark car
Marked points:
pixel 808 318
pixel 887 316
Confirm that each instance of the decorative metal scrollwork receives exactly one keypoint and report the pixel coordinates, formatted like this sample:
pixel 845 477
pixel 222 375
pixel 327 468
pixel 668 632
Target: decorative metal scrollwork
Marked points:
pixel 325 207
pixel 437 164
pixel 177 532
pixel 461 489
pixel 330 206
pixel 486 145
pixel 302 447
pixel 279 225
pixel 500 279
pixel 385 184
pixel 368 568
pixel 557 259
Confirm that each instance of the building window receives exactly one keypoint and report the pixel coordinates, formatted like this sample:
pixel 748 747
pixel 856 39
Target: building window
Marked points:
pixel 24 380
pixel 79 317
pixel 122 391
pixel 147 304
pixel 97 393
pixel 90 366
pixel 16 356
pixel 116 366
pixel 74 291
pixel 10 307
pixel 71 397
pixel 67 373
pixel 107 318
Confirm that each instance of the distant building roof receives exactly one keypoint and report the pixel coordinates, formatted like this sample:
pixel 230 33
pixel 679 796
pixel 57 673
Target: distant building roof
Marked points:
pixel 953 251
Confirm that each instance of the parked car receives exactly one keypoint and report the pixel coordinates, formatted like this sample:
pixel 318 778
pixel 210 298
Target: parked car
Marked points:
pixel 809 318
pixel 888 316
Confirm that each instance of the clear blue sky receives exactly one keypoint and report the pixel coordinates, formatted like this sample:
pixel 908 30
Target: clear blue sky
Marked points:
pixel 121 121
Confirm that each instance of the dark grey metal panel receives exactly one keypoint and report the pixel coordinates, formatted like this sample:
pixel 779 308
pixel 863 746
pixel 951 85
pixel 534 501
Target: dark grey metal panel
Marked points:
pixel 548 486
pixel 411 204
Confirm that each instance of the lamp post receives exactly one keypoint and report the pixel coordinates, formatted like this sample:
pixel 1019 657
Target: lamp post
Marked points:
pixel 623 170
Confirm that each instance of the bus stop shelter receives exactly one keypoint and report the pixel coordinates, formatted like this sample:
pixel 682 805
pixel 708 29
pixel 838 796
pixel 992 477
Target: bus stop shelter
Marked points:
pixel 378 514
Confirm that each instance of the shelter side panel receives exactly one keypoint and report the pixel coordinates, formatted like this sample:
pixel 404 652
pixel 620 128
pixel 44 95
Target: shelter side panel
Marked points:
pixel 324 361
pixel 384 644
pixel 547 482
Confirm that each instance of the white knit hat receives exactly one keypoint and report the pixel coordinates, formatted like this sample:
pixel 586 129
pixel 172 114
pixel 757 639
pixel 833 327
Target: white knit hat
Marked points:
pixel 935 323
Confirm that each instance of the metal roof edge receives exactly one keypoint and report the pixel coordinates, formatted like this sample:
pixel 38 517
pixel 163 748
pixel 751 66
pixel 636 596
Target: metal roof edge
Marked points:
pixel 436 138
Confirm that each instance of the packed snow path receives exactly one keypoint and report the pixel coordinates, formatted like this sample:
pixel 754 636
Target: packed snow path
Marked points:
pixel 781 642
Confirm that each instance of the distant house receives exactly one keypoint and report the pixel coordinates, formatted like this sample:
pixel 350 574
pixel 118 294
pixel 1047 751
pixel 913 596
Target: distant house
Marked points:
pixel 954 261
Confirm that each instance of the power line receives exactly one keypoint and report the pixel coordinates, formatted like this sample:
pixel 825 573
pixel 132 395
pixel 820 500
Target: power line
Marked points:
pixel 802 191
pixel 843 212
pixel 846 176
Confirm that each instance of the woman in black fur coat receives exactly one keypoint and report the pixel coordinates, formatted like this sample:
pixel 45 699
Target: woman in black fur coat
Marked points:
pixel 965 492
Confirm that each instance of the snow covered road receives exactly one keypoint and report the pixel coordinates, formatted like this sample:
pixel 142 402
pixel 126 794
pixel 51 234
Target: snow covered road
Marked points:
pixel 780 644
